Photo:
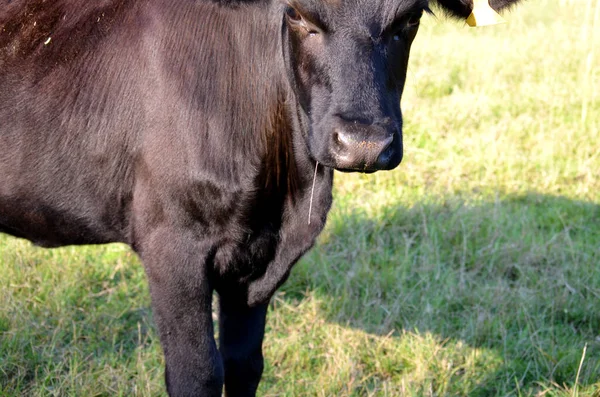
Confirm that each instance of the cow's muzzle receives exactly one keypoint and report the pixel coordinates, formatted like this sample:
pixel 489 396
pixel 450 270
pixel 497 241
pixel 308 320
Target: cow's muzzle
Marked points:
pixel 362 146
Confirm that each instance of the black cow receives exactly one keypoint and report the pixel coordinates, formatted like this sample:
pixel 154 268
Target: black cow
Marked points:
pixel 204 134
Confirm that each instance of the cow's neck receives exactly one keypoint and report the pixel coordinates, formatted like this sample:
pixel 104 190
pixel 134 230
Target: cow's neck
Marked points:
pixel 288 168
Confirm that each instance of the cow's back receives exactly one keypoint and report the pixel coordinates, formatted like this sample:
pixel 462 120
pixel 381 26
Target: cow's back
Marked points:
pixel 66 167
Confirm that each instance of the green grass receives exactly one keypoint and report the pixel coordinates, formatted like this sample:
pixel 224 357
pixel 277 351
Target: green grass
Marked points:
pixel 471 270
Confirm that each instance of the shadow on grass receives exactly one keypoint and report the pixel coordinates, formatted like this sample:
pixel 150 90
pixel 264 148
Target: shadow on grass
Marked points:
pixel 516 278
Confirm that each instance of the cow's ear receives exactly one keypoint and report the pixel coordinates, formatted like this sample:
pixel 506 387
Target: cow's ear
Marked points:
pixel 463 8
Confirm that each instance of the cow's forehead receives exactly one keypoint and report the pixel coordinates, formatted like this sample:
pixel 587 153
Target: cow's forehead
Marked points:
pixel 345 12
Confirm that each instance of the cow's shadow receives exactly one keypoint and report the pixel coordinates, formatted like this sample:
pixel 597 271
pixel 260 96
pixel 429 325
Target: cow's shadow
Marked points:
pixel 518 277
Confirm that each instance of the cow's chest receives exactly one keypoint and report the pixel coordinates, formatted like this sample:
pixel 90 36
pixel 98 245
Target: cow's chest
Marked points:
pixel 260 236
pixel 245 258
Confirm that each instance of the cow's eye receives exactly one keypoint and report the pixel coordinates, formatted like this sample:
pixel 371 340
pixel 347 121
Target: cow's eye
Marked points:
pixel 296 19
pixel 414 19
pixel 293 15
pixel 403 26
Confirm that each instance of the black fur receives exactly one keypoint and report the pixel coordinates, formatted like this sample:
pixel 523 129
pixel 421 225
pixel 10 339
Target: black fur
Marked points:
pixel 191 130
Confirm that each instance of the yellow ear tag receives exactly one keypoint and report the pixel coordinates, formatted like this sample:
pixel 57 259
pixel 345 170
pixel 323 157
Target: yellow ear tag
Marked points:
pixel 483 15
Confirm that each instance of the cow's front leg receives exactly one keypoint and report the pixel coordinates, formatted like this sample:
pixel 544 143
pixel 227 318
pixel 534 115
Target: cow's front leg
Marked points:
pixel 241 332
pixel 181 303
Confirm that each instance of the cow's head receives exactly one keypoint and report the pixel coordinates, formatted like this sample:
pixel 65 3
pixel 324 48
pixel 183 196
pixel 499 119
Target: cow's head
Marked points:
pixel 347 61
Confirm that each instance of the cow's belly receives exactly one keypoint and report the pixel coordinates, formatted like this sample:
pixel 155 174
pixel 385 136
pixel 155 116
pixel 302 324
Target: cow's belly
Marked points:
pixel 49 226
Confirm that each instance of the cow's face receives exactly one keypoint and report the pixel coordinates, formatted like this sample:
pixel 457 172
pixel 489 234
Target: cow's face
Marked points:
pixel 347 60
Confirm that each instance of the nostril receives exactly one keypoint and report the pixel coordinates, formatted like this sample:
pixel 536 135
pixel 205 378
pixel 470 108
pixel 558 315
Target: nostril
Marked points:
pixel 336 138
pixel 387 142
pixel 343 139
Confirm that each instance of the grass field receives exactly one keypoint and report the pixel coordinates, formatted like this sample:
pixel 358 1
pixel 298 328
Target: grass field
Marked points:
pixel 471 270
